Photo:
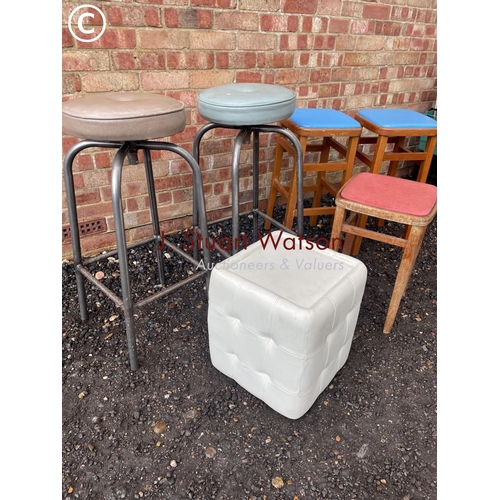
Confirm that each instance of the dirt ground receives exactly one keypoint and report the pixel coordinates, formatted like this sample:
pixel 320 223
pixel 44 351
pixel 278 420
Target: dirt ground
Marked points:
pixel 179 429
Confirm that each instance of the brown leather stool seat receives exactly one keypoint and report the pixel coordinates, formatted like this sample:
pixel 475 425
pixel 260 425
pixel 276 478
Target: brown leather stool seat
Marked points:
pixel 123 117
pixel 128 122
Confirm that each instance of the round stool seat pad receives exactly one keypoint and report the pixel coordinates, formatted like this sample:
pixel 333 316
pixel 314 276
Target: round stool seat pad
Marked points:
pixel 397 118
pixel 241 104
pixel 391 193
pixel 123 116
pixel 318 118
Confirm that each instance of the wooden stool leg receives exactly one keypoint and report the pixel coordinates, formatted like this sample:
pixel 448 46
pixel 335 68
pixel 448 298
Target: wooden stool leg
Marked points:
pixel 338 220
pixel 325 153
pixel 426 164
pixel 273 192
pixel 393 165
pixel 406 266
pixel 292 193
pixel 362 220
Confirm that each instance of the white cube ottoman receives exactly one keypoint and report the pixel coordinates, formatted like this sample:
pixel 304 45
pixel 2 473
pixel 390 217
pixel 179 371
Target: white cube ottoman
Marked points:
pixel 281 318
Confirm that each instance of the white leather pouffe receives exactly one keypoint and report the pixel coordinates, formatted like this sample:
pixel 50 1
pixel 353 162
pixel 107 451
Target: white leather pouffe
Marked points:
pixel 281 318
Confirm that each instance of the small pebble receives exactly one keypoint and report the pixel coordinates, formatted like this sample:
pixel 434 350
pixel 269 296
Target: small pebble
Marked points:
pixel 160 427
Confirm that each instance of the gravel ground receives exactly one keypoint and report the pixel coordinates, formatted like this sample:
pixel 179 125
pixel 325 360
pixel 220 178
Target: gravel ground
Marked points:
pixel 178 429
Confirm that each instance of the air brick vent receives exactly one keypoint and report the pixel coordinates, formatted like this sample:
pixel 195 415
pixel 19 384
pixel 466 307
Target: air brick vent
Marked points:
pixel 86 228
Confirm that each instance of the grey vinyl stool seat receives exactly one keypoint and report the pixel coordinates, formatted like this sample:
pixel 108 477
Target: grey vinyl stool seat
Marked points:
pixel 252 108
pixel 128 122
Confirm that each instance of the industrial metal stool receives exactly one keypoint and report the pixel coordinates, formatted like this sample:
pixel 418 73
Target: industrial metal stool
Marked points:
pixel 308 123
pixel 392 198
pixel 127 122
pixel 249 107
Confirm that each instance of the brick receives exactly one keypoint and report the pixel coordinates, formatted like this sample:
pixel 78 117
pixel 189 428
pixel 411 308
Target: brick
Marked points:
pixel 236 21
pixel 388 28
pixel 345 42
pixel 221 4
pixel 370 43
pixel 352 9
pixel 236 60
pixel 83 162
pixel 266 5
pixel 85 61
pixel 306 24
pixel 96 178
pixel 403 14
pixel 162 39
pixel 71 84
pixel 164 80
pixel 249 76
pixel 123 60
pixel 213 41
pixel 256 41
pixel 324 42
pixel 320 75
pixel 355 59
pixel 300 6
pixel 376 11
pixel 416 30
pixel 151 60
pixel 112 38
pixel 165 2
pixel 204 79
pixel 109 81
pixel 363 27
pixel 329 7
pixel 338 26
pixel 320 24
pixel 332 59
pixel 102 160
pixel 190 60
pixel 67 38
pixel 406 58
pixel 276 60
pixel 296 42
pixel 188 18
pixel 341 74
pixel 132 16
pixel 419 44
pixel 291 76
pixel 367 73
pixel 270 22
pixel 359 101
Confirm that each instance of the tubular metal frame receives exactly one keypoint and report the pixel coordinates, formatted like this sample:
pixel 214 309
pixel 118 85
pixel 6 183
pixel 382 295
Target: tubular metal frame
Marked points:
pixel 199 224
pixel 244 137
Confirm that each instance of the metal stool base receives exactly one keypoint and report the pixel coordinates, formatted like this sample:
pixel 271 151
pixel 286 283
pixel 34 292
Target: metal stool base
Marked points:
pixel 244 137
pixel 125 302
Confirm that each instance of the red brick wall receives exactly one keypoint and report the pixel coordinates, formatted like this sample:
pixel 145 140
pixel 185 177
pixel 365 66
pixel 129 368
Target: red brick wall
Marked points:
pixel 335 54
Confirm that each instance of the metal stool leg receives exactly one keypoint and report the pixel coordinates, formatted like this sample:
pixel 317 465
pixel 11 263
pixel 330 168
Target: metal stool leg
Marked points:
pixel 255 184
pixel 73 215
pixel 154 214
pixel 235 176
pixel 73 224
pixel 128 306
pixel 196 155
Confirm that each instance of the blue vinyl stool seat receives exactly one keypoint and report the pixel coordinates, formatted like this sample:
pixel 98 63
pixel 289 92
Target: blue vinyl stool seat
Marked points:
pixel 395 126
pixel 315 123
pixel 252 108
